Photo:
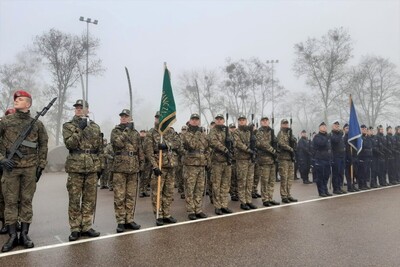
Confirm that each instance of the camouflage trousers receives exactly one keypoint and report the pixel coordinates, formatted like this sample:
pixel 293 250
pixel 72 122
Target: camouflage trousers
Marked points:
pixel 145 177
pixel 82 190
pixel 245 176
pixel 179 179
pixel 266 172
pixel 234 186
pixel 194 187
pixel 167 182
pixel 104 177
pixel 18 185
pixel 125 186
pixel 221 174
pixel 1 199
pixel 256 180
pixel 286 172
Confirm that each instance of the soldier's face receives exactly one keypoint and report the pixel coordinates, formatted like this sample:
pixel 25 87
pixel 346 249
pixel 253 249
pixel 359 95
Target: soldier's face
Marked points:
pixel 364 130
pixel 80 112
pixel 346 129
pixel 219 121
pixel 322 128
pixel 380 130
pixel 195 122
pixel 156 120
pixel 264 123
pixel 335 127
pixel 22 103
pixel 390 131
pixel 124 119
pixel 284 125
pixel 303 134
pixel 242 122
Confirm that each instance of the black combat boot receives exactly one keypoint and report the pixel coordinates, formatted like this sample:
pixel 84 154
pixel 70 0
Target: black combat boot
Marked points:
pixel 4 229
pixel 13 240
pixel 24 239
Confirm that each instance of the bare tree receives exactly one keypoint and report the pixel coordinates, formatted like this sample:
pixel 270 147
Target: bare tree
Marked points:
pixel 375 84
pixel 199 92
pixel 62 53
pixel 20 75
pixel 323 63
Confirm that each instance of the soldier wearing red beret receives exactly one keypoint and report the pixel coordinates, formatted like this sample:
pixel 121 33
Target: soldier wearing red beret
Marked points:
pixel 21 173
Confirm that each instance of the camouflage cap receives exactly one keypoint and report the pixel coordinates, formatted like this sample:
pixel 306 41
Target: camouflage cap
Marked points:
pixel 219 116
pixel 304 131
pixel 126 112
pixel 232 125
pixel 388 127
pixel 363 126
pixel 242 116
pixel 184 128
pixel 264 118
pixel 370 128
pixel 322 124
pixel 195 116
pixel 336 122
pixel 345 125
pixel 157 114
pixel 379 126
pixel 284 121
pixel 79 102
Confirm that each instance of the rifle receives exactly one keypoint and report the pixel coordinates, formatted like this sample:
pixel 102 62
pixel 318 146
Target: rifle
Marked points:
pixel 228 142
pixel 252 140
pixel 292 154
pixel 22 136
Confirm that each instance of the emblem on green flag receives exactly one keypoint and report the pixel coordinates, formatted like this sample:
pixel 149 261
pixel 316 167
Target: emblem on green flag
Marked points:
pixel 167 107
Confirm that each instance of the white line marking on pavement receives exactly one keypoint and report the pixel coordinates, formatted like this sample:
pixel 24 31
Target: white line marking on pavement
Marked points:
pixel 181 223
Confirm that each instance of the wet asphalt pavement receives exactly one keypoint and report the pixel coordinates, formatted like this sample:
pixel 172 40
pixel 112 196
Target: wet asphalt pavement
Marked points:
pixel 359 229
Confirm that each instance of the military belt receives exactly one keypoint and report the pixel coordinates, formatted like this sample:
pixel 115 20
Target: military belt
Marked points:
pixel 126 153
pixel 83 151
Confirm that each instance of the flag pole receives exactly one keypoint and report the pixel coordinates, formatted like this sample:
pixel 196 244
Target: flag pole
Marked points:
pixel 159 179
pixel 351 159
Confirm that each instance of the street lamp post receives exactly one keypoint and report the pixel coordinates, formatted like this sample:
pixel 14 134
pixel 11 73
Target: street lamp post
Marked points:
pixel 272 62
pixel 95 22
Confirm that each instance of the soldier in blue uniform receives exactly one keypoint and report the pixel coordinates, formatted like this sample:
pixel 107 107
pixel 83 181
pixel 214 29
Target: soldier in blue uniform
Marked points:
pixel 322 157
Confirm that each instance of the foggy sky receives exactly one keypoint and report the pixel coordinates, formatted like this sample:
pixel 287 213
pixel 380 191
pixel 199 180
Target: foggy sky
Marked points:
pixel 192 35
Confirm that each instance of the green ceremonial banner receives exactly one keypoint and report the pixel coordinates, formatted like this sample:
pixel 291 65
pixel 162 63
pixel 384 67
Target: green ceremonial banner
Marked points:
pixel 167 107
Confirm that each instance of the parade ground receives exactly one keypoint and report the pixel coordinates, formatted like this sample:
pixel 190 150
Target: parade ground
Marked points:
pixel 355 229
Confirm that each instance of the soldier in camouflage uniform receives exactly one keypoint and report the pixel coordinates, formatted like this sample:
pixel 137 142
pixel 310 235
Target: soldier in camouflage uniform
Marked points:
pixel 265 162
pixel 3 229
pixel 128 161
pixel 170 147
pixel 196 145
pixel 20 175
pixel 109 160
pixel 233 191
pixel 286 164
pixel 221 169
pixel 104 177
pixel 244 164
pixel 83 139
pixel 179 168
pixel 145 175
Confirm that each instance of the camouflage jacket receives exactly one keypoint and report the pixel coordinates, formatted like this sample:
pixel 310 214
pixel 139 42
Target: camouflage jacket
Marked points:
pixel 284 145
pixel 241 141
pixel 128 152
pixel 196 147
pixel 85 147
pixel 170 156
pixel 217 143
pixel 34 149
pixel 265 151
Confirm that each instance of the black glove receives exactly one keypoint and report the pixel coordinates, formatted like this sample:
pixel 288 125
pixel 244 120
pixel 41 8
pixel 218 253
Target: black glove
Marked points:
pixel 162 147
pixel 39 171
pixel 130 125
pixel 7 164
pixel 228 155
pixel 157 171
pixel 82 123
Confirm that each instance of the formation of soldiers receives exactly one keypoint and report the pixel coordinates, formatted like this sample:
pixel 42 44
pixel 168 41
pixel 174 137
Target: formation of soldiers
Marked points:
pixel 228 163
